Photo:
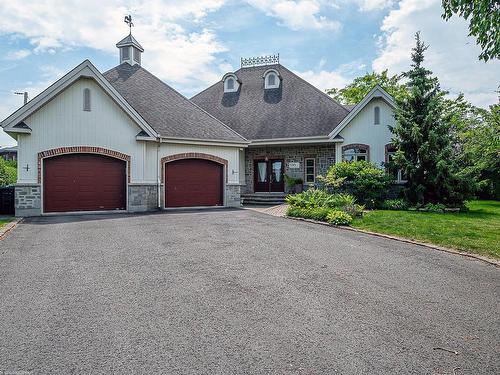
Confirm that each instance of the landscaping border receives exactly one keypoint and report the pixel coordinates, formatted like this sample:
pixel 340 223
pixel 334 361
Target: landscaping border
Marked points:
pixel 488 260
pixel 7 228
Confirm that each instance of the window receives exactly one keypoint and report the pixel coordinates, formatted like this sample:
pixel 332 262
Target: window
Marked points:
pixel 310 171
pixel 376 115
pixel 231 83
pixel 271 79
pixel 86 99
pixel 390 151
pixel 137 55
pixel 355 153
pixel 125 53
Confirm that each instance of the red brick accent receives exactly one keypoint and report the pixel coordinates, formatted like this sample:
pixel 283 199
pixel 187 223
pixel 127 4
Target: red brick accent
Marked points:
pixel 191 155
pixel 357 145
pixel 81 150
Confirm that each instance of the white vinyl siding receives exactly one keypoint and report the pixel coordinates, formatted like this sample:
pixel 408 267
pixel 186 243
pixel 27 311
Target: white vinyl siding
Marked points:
pixel 361 131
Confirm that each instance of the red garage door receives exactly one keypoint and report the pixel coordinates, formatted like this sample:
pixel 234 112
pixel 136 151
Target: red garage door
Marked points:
pixel 193 182
pixel 83 182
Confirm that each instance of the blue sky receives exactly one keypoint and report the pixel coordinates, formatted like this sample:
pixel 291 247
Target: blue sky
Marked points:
pixel 190 45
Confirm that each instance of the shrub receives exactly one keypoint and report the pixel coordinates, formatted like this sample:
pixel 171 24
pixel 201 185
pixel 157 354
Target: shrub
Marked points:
pixel 312 198
pixel 394 204
pixel 342 200
pixel 355 210
pixel 367 183
pixel 318 213
pixel 435 207
pixel 337 217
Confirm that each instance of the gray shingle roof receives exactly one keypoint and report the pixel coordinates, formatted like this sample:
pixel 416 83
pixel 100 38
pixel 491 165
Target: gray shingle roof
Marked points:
pixel 296 109
pixel 164 109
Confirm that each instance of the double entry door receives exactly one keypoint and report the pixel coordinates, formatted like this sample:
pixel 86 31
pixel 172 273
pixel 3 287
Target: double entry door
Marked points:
pixel 268 175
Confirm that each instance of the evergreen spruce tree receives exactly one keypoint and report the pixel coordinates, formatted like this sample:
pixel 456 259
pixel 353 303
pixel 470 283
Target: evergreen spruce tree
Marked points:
pixel 423 139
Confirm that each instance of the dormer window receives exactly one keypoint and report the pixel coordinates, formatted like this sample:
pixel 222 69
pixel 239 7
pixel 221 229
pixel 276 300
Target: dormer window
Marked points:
pixel 271 79
pixel 86 100
pixel 231 83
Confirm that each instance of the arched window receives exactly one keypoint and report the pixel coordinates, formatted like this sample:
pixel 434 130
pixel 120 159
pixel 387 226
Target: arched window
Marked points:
pixel 231 83
pixel 376 115
pixel 271 79
pixel 355 152
pixel 86 99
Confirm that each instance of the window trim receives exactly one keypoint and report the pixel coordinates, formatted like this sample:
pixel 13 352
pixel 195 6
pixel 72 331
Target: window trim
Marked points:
pixel 277 79
pixel 225 80
pixel 305 171
pixel 376 115
pixel 87 100
pixel 360 146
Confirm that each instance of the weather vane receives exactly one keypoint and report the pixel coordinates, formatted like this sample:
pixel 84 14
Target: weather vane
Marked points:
pixel 128 21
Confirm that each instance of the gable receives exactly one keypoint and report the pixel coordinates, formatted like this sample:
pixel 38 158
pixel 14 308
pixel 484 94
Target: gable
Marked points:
pixel 63 117
pixel 85 69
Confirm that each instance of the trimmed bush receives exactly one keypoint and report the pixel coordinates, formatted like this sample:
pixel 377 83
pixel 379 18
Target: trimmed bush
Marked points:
pixel 394 204
pixel 318 213
pixel 368 183
pixel 337 217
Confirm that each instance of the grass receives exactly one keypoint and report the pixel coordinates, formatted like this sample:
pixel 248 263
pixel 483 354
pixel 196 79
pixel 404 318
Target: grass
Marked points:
pixel 4 221
pixel 476 231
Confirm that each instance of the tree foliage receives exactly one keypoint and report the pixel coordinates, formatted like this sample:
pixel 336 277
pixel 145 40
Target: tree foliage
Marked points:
pixel 424 139
pixel 357 90
pixel 484 22
pixel 8 172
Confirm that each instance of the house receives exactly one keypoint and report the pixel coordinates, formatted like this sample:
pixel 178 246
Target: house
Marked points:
pixel 8 153
pixel 125 141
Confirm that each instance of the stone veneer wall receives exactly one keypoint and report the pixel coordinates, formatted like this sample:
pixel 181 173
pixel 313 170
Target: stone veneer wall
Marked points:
pixel 233 195
pixel 142 197
pixel 28 200
pixel 324 155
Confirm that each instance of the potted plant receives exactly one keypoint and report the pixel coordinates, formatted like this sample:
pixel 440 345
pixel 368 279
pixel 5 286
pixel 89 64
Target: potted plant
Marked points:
pixel 294 185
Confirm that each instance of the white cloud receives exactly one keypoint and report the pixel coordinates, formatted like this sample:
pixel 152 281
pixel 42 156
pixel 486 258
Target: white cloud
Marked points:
pixel 337 78
pixel 452 55
pixel 372 5
pixel 18 54
pixel 297 15
pixel 170 51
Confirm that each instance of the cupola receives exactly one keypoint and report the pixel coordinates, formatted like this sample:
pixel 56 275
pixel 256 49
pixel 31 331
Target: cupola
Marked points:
pixel 130 50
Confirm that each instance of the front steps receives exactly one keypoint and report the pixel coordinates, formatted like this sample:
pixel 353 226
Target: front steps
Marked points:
pixel 263 199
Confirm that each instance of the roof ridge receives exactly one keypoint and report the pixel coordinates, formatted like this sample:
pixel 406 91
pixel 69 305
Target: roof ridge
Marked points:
pixel 193 104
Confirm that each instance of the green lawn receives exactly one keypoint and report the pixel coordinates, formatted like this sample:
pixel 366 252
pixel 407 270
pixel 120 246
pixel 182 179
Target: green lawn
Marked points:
pixel 4 221
pixel 476 231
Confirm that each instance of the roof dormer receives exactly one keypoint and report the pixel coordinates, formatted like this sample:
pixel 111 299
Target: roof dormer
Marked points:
pixel 231 82
pixel 130 50
pixel 272 79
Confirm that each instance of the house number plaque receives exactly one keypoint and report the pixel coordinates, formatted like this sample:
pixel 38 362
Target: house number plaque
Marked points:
pixel 293 165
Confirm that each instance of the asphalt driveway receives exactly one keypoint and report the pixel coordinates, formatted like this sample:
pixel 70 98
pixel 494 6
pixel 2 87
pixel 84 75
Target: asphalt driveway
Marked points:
pixel 234 291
